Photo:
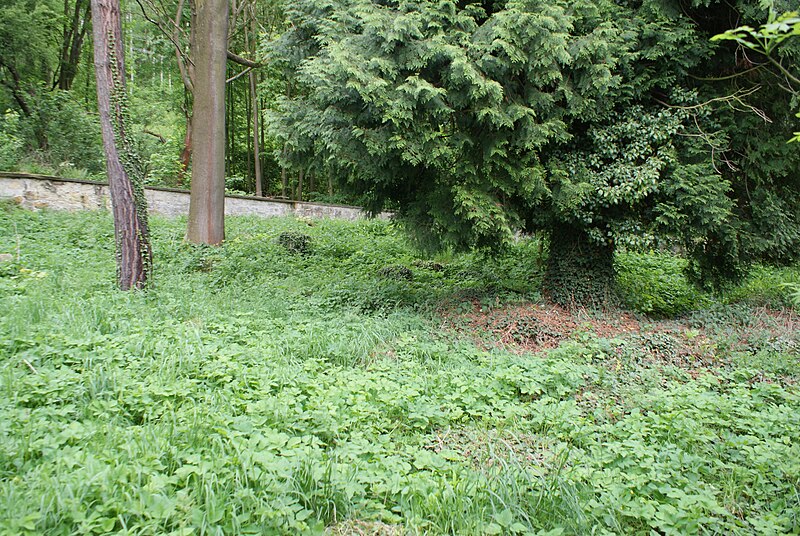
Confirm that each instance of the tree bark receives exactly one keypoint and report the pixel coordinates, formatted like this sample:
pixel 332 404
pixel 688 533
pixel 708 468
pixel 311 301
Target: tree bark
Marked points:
pixel 207 199
pixel 186 154
pixel 131 233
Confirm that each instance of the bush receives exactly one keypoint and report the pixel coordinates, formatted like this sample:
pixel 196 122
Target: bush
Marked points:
pixel 295 242
pixel 164 166
pixel 656 284
pixel 62 131
pixel 10 144
pixel 768 286
pixel 794 294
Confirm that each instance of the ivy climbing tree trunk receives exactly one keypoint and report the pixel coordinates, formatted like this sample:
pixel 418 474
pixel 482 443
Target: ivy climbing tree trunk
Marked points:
pixel 579 270
pixel 207 200
pixel 125 170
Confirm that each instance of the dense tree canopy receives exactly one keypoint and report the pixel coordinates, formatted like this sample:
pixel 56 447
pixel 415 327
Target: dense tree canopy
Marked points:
pixel 583 119
pixel 604 124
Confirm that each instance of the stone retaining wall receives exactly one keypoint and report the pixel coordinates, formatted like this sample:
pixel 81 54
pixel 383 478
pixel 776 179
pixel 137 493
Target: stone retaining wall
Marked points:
pixel 38 191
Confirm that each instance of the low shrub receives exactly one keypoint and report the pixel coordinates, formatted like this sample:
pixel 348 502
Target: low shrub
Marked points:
pixel 295 242
pixel 655 284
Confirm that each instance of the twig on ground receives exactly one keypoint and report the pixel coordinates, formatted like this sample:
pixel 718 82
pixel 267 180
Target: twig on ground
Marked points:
pixel 28 363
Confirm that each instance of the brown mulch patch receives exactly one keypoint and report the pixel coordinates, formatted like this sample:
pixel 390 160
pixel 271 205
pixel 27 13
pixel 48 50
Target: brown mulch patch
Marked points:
pixel 688 344
pixel 532 327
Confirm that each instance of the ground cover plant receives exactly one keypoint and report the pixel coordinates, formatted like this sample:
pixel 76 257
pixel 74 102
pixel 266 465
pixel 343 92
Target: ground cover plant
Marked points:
pixel 323 376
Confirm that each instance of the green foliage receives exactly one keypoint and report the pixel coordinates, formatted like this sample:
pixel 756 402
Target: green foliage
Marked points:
pixel 163 166
pixel 794 294
pixel 63 133
pixel 656 284
pixel 766 286
pixel 579 270
pixel 763 182
pixel 767 37
pixel 10 143
pixel 28 33
pixel 295 242
pixel 251 392
pixel 153 113
pixel 476 123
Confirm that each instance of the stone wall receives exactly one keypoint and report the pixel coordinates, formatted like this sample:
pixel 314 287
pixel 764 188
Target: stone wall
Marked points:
pixel 37 191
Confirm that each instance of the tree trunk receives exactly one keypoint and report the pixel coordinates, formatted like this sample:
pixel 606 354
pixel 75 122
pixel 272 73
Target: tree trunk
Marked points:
pixel 131 233
pixel 579 270
pixel 260 145
pixel 186 68
pixel 300 175
pixel 207 199
pixel 72 42
pixel 186 154
pixel 284 174
pixel 254 106
pixel 256 148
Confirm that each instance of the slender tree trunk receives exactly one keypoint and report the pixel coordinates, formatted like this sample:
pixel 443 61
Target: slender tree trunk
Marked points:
pixel 228 122
pixel 284 175
pixel 131 234
pixel 300 185
pixel 261 144
pixel 256 148
pixel 248 116
pixel 186 154
pixel 186 68
pixel 72 42
pixel 250 44
pixel 207 200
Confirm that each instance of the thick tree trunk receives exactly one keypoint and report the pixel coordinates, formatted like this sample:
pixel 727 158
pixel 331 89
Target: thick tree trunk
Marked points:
pixel 580 272
pixel 134 255
pixel 207 200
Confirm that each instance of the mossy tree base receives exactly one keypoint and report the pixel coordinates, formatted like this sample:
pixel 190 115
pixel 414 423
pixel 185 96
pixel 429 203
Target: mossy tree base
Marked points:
pixel 580 272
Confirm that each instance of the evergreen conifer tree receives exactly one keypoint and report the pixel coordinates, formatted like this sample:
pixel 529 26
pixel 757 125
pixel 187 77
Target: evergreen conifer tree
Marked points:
pixel 476 121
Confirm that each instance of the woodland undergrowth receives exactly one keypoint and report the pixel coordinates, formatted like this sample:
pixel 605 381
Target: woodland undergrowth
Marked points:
pixel 323 376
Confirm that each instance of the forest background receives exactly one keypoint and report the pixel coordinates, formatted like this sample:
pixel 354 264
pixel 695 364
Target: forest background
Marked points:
pixel 606 125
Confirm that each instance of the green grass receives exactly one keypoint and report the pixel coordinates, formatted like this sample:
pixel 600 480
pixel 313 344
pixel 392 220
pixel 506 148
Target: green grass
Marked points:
pixel 254 390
